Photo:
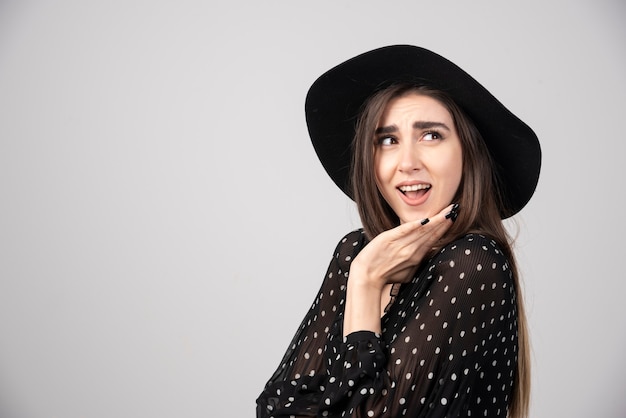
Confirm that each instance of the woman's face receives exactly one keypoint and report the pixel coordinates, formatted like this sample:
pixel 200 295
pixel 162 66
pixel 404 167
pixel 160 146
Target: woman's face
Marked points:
pixel 417 157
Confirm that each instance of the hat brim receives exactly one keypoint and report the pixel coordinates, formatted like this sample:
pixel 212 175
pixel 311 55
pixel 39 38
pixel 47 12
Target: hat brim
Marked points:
pixel 335 99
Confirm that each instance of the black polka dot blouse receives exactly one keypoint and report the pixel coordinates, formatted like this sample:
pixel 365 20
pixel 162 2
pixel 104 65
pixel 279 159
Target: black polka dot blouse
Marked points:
pixel 448 346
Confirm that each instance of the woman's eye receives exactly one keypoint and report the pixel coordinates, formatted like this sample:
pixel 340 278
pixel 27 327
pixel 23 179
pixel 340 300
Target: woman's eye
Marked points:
pixel 386 140
pixel 431 136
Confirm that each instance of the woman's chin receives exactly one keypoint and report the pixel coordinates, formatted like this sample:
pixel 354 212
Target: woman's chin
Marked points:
pixel 412 217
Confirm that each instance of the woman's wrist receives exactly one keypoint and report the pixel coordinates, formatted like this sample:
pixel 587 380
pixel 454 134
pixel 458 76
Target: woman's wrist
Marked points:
pixel 362 311
pixel 367 281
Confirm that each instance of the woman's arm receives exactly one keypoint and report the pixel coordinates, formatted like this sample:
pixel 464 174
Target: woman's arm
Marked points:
pixel 296 386
pixel 449 346
pixel 391 257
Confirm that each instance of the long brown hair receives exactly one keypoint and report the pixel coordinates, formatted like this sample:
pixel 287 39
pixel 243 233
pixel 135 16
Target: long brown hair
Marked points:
pixel 478 196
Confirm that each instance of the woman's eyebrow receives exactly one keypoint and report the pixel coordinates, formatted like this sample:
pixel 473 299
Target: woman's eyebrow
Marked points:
pixel 416 125
pixel 430 125
pixel 386 129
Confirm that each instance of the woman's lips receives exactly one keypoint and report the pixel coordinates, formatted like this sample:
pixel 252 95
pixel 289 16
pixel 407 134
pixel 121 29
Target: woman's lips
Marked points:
pixel 414 194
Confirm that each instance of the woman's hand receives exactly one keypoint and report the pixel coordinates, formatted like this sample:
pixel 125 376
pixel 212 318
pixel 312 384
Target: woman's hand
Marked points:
pixel 391 257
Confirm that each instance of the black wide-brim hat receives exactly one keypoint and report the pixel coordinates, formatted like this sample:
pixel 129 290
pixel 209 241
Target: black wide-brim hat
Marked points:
pixel 335 99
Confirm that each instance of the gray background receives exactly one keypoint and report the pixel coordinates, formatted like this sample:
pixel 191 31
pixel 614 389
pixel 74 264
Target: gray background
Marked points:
pixel 164 222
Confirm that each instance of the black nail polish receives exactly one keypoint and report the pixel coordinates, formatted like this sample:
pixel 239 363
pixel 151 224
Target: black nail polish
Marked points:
pixel 453 214
pixel 425 221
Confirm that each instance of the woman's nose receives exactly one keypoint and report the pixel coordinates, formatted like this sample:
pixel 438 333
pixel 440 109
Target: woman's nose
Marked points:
pixel 409 159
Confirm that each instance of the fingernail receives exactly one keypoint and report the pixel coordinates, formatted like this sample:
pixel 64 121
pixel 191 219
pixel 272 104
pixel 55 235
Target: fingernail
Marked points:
pixel 425 221
pixel 453 214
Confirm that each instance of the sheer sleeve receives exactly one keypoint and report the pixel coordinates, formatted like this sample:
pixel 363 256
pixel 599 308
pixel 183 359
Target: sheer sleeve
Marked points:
pixel 448 345
pixel 296 387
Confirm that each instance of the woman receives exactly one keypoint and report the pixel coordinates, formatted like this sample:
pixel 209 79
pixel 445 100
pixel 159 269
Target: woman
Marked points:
pixel 421 312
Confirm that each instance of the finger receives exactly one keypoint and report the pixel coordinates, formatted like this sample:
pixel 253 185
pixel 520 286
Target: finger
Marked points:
pixel 436 227
pixel 449 212
pixel 446 214
pixel 421 233
pixel 438 230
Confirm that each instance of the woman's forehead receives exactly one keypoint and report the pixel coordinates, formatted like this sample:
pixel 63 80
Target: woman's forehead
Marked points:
pixel 415 107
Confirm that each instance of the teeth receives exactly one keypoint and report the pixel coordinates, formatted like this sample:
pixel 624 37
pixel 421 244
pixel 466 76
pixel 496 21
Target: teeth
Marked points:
pixel 414 187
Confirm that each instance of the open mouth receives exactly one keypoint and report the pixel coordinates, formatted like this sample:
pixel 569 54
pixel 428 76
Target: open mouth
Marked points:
pixel 414 190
